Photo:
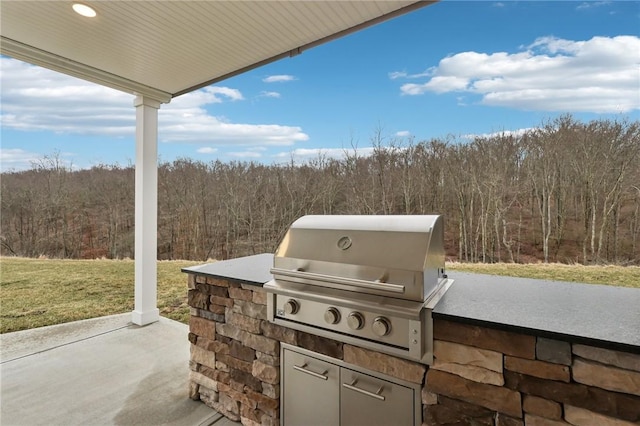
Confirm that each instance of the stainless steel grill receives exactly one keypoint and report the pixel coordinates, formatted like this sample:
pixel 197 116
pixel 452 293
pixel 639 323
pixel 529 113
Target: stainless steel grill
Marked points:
pixel 366 280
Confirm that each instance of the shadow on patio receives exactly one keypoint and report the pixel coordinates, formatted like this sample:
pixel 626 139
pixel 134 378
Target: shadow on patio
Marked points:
pixel 102 371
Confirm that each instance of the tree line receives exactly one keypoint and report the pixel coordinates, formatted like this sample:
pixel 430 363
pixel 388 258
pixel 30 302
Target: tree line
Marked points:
pixel 565 191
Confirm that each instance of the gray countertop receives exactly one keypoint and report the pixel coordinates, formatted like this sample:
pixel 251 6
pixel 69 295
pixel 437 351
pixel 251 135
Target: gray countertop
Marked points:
pixel 250 269
pixel 601 315
pixel 597 314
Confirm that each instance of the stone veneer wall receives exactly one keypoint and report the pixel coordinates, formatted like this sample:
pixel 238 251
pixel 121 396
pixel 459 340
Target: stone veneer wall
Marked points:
pixel 480 376
pixel 486 376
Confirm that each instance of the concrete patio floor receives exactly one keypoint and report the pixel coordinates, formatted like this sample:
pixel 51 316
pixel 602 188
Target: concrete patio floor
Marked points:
pixel 102 371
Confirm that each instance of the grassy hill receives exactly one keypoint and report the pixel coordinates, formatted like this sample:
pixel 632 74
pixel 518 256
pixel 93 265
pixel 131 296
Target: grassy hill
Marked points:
pixel 41 292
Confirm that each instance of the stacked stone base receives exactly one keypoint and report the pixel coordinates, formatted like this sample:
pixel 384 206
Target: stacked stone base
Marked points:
pixel 486 376
pixel 480 376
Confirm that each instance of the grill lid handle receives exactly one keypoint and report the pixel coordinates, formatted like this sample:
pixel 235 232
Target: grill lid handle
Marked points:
pixel 391 288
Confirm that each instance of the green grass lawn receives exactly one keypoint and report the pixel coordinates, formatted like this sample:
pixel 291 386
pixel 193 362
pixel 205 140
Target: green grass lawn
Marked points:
pixel 623 276
pixel 40 292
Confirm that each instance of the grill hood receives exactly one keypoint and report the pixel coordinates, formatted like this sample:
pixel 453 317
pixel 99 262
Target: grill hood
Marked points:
pixel 396 256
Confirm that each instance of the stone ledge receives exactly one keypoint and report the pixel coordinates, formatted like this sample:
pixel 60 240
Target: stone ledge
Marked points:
pixel 477 374
pixel 203 380
pixel 386 364
pixel 240 294
pixel 250 309
pixel 235 363
pixel 496 398
pixel 504 420
pixel 203 357
pixel 278 332
pixel 259 297
pixel 542 369
pixel 457 413
pixel 428 398
pixel 505 342
pixel 606 377
pixel 329 347
pixel 448 352
pixel 224 301
pixel 243 322
pixel 581 417
pixel 619 359
pixel 531 420
pixel 266 373
pixel 217 375
pixel 554 351
pixel 202 327
pixel 212 290
pixel 623 406
pixel 542 407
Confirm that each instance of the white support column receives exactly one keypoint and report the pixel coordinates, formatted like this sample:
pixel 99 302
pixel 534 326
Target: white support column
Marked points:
pixel 146 217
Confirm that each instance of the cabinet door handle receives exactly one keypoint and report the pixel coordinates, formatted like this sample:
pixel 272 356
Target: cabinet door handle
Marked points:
pixel 302 369
pixel 353 387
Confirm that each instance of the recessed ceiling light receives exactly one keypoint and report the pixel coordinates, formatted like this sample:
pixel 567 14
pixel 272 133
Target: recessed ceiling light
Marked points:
pixel 84 10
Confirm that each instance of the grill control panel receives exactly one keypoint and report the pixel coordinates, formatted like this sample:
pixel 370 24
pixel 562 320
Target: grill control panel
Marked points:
pixel 361 323
pixel 393 326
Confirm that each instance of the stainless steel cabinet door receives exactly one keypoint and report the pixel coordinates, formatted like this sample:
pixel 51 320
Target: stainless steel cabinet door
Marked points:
pixel 311 391
pixel 368 401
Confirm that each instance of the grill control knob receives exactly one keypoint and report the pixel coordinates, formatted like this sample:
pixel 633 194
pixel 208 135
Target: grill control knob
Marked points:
pixel 381 326
pixel 332 316
pixel 355 321
pixel 291 307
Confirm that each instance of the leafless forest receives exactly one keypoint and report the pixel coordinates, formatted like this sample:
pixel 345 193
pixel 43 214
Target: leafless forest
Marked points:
pixel 566 191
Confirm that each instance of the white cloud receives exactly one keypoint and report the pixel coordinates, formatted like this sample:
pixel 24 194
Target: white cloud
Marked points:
pixel 515 133
pixel 265 94
pixel 403 133
pixel 278 78
pixel 402 74
pixel 599 75
pixel 439 84
pixel 37 99
pixel 206 96
pixel 397 74
pixel 16 159
pixel 207 150
pixel 245 154
pixel 302 155
pixel 592 4
pixel 189 121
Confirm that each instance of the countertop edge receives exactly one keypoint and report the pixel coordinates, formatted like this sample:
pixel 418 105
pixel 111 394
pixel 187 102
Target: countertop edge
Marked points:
pixel 237 270
pixel 571 338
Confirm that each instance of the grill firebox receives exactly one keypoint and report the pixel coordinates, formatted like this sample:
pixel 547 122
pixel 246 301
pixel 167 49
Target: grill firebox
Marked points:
pixel 370 281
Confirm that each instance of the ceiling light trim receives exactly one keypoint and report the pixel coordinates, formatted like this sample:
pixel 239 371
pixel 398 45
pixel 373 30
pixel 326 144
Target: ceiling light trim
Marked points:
pixel 67 66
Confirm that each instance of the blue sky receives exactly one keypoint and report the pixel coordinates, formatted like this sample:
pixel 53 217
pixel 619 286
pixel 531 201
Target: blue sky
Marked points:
pixel 453 68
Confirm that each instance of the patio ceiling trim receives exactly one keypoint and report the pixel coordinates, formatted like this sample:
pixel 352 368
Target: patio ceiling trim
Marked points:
pixel 54 62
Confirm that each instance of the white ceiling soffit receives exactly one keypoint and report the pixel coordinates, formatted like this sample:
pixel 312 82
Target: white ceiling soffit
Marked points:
pixel 163 49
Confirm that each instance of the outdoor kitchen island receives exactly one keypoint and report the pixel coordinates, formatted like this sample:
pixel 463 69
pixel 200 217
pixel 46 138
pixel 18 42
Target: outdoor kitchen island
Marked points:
pixel 507 351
